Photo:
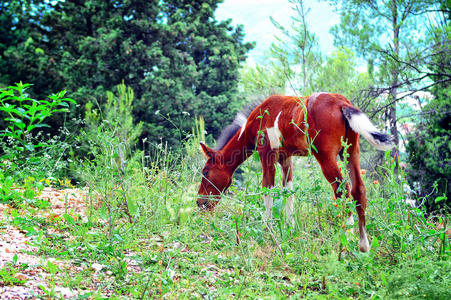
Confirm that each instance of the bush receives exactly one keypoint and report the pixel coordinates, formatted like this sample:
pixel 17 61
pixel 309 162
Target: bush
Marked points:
pixel 429 151
pixel 420 279
pixel 25 147
pixel 111 164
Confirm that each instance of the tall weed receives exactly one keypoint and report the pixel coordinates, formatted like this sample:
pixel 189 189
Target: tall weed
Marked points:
pixel 112 169
pixel 25 148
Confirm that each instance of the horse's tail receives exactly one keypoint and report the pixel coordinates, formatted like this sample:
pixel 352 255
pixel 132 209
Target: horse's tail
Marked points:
pixel 360 123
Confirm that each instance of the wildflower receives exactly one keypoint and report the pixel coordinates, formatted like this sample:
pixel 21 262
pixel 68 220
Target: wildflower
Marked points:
pixel 376 182
pixel 52 218
pixel 362 171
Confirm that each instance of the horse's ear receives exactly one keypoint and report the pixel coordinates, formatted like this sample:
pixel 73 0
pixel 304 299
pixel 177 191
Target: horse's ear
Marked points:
pixel 208 152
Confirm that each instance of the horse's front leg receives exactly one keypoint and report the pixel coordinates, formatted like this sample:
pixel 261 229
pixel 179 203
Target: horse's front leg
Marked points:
pixel 268 159
pixel 287 181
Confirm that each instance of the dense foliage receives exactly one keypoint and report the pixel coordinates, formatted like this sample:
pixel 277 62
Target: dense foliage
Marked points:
pixel 131 228
pixel 177 58
pixel 386 35
pixel 429 146
pixel 429 151
pixel 136 233
pixel 25 148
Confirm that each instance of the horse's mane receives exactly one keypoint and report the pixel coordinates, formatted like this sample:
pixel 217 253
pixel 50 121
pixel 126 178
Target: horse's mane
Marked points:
pixel 240 119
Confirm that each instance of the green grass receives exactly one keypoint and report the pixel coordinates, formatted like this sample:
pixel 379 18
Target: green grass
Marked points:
pixel 173 250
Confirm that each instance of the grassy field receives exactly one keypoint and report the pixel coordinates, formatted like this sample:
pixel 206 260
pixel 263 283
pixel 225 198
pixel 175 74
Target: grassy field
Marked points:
pixel 173 250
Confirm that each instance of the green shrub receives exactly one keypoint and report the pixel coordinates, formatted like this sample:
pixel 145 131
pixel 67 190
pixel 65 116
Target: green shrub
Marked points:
pixel 25 147
pixel 429 150
pixel 423 279
pixel 112 164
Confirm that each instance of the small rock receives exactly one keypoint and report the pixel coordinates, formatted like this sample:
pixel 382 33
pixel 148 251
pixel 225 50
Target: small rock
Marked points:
pixel 97 266
pixel 65 292
pixel 21 277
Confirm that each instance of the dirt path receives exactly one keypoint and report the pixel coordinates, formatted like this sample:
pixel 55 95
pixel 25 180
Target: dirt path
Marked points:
pixel 32 274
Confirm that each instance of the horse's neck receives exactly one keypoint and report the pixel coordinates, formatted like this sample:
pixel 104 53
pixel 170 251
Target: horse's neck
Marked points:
pixel 235 152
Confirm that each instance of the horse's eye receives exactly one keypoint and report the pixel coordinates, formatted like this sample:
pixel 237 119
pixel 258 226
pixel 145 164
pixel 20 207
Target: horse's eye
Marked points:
pixel 205 173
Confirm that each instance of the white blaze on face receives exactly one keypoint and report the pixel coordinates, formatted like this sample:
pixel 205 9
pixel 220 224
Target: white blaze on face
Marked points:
pixel 274 134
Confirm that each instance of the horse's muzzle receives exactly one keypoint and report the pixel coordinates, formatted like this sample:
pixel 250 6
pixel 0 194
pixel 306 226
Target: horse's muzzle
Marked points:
pixel 206 202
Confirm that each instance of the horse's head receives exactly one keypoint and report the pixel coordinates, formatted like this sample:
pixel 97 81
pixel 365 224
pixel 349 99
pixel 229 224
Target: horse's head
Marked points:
pixel 216 178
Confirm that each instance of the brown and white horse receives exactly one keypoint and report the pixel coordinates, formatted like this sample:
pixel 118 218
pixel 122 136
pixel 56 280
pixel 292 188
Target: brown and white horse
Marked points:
pixel 277 130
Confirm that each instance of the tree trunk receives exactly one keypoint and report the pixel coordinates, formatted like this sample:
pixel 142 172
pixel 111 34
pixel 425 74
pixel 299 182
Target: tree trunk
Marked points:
pixel 391 113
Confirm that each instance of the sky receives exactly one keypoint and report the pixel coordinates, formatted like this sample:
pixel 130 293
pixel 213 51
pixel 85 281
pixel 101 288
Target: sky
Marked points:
pixel 254 15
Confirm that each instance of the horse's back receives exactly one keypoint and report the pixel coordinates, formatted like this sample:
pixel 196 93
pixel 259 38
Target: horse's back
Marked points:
pixel 326 121
pixel 322 109
pixel 286 114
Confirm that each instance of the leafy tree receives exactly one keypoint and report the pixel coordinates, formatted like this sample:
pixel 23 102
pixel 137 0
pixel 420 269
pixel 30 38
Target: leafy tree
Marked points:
pixel 429 149
pixel 384 33
pixel 177 58
pixel 22 55
pixel 407 56
pixel 263 81
pixel 296 63
pixel 339 75
pixel 198 70
pixel 298 52
pixel 429 146
pixel 292 63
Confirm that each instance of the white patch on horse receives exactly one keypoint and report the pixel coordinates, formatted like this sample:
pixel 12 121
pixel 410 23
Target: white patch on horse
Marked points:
pixel 240 119
pixel 350 222
pixel 268 204
pixel 242 127
pixel 289 185
pixel 274 134
pixel 289 206
pixel 313 97
pixel 364 245
pixel 276 122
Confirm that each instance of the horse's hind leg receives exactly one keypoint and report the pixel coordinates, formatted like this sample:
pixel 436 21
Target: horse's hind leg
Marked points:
pixel 332 172
pixel 358 192
pixel 287 170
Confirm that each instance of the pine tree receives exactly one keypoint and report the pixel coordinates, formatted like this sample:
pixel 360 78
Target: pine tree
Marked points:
pixel 429 146
pixel 177 58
